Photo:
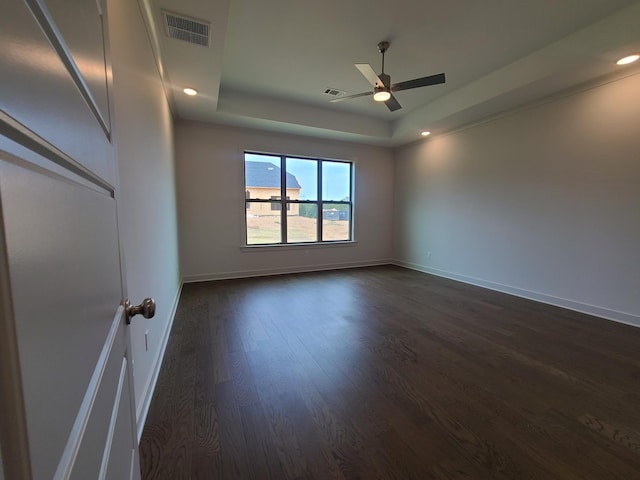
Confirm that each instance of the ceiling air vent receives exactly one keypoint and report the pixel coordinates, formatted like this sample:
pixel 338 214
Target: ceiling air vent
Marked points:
pixel 187 29
pixel 334 92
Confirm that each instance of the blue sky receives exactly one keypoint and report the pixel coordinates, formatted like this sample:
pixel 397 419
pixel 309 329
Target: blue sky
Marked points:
pixel 335 176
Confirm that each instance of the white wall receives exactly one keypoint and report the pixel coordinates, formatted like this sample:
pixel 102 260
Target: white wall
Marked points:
pixel 211 203
pixel 542 203
pixel 147 202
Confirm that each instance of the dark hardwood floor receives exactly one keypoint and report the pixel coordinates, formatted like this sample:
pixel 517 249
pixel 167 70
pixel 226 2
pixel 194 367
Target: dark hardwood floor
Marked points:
pixel 387 373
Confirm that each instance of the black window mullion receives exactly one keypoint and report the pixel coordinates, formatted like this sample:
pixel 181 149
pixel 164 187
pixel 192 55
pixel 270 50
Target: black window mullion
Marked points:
pixel 283 199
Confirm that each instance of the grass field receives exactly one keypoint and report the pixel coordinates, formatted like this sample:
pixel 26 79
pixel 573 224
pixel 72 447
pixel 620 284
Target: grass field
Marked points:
pixel 266 229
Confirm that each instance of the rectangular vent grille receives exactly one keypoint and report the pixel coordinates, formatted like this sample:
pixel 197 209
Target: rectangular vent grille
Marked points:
pixel 186 29
pixel 334 92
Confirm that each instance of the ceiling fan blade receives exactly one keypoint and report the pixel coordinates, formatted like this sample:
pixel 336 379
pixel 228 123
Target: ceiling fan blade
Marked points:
pixel 418 82
pixel 393 104
pixel 369 73
pixel 339 99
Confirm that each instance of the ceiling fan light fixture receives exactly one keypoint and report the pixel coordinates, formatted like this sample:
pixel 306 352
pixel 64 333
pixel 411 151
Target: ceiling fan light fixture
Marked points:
pixel 382 86
pixel 628 59
pixel 381 94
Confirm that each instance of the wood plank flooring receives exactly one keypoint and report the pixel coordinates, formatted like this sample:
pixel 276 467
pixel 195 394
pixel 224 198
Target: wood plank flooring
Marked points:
pixel 387 373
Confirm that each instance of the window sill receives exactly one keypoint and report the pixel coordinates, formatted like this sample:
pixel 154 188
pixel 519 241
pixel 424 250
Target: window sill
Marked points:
pixel 297 246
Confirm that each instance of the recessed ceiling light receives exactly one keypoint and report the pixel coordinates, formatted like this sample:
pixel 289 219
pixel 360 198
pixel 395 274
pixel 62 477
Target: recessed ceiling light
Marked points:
pixel 425 133
pixel 628 60
pixel 190 91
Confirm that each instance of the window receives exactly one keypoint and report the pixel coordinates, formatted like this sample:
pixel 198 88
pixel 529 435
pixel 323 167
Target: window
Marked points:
pixel 292 200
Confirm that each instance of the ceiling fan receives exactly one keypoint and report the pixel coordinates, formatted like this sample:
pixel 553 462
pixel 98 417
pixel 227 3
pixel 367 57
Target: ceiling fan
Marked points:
pixel 383 88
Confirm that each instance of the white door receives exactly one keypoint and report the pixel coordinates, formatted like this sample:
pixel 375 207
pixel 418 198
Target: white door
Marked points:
pixel 65 389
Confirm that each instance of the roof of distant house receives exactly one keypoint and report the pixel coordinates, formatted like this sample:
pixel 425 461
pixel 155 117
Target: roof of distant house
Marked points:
pixel 262 174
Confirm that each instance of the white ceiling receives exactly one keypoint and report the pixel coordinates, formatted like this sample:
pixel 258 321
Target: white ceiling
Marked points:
pixel 270 61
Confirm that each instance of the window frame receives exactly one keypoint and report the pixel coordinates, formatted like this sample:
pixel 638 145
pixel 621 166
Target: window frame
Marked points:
pixel 285 202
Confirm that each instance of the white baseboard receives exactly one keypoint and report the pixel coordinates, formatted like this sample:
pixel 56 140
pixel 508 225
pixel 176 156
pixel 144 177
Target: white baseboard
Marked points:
pixel 281 271
pixel 143 409
pixel 606 313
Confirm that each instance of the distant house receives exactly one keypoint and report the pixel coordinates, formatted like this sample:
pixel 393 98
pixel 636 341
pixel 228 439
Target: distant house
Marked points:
pixel 262 180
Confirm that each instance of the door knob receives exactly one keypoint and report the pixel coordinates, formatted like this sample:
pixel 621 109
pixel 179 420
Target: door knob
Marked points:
pixel 147 309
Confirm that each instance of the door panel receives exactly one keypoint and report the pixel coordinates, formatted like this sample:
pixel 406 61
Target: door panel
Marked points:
pixel 43 96
pixel 80 24
pixel 65 275
pixel 97 435
pixel 116 469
